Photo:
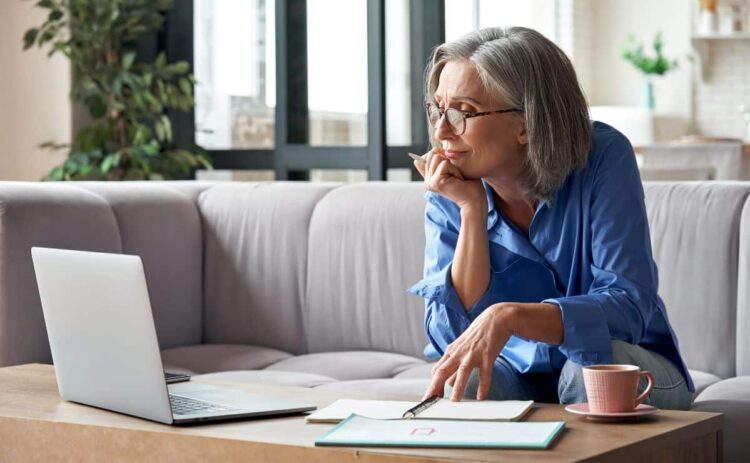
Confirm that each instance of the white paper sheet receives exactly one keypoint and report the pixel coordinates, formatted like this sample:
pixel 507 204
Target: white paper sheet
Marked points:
pixel 490 410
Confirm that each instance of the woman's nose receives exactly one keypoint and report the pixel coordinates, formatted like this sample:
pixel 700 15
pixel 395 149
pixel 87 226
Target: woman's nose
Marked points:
pixel 443 130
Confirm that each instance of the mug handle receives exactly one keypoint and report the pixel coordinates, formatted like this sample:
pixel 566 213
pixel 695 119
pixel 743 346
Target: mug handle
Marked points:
pixel 639 400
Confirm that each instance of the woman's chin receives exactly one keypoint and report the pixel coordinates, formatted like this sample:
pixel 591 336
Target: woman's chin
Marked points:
pixel 466 172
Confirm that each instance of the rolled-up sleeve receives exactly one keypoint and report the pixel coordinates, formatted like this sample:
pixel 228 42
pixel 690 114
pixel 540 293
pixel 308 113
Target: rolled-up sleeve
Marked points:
pixel 622 291
pixel 445 315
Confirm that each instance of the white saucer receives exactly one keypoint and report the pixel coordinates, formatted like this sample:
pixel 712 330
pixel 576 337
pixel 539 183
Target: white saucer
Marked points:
pixel 583 409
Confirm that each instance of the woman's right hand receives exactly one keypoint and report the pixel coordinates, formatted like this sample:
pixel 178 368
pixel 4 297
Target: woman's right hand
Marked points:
pixel 442 177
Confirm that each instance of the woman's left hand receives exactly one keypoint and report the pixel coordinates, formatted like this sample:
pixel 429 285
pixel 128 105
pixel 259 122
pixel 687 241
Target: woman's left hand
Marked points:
pixel 478 346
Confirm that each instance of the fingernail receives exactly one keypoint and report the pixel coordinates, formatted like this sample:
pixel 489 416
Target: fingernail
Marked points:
pixel 417 158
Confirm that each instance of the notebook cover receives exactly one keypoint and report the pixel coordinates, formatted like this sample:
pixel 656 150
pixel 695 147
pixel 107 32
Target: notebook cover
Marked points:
pixel 359 431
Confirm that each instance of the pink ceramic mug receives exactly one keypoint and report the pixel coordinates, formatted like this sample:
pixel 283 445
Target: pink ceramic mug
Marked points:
pixel 613 388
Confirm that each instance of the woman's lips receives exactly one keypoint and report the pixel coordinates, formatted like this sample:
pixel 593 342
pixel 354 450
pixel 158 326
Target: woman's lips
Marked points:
pixel 451 154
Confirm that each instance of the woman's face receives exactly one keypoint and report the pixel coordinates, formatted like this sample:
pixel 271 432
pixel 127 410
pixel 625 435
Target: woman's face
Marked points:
pixel 492 146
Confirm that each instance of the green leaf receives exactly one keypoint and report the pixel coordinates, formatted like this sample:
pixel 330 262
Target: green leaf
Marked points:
pixel 117 86
pixel 29 38
pixel 160 133
pixel 180 67
pixel 110 160
pixel 152 149
pixel 96 106
pixel 55 15
pixel 161 60
pixel 128 59
pixel 57 174
pixel 45 4
pixel 185 86
pixel 167 127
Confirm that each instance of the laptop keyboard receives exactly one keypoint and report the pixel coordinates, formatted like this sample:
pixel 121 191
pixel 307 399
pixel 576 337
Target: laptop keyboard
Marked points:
pixel 187 406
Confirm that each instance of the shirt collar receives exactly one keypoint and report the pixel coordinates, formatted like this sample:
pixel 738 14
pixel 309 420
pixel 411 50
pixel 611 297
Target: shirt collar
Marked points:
pixel 505 233
pixel 491 212
pixel 492 215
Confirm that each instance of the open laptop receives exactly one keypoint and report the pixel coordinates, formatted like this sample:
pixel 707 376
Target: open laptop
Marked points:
pixel 104 347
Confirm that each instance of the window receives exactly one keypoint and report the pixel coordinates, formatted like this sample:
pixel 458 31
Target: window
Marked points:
pixel 235 71
pixel 337 72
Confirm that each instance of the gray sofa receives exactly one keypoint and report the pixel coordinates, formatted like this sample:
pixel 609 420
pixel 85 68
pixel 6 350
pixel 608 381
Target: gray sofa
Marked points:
pixel 305 284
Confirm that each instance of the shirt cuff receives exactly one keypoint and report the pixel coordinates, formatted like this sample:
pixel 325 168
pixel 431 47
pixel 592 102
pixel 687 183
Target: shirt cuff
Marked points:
pixel 586 338
pixel 438 287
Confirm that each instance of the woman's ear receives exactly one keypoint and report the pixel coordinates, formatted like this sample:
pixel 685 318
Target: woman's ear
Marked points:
pixel 523 135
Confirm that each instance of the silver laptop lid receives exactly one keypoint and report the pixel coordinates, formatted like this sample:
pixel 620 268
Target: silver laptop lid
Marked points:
pixel 101 331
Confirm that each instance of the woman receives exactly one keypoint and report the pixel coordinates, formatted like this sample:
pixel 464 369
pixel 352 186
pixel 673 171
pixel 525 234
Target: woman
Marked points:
pixel 538 257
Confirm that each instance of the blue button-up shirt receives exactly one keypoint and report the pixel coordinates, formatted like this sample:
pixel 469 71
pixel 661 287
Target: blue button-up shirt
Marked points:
pixel 588 252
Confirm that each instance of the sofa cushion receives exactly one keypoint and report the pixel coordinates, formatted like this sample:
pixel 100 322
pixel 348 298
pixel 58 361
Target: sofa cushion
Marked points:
pixel 163 227
pixel 729 389
pixel 410 389
pixel 281 378
pixel 49 215
pixel 417 372
pixel 209 358
pixel 366 249
pixel 702 380
pixel 256 239
pixel 349 365
pixel 695 236
pixel 736 423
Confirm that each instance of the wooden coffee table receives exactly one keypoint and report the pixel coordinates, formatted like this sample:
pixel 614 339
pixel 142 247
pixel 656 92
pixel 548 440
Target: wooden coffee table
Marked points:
pixel 36 425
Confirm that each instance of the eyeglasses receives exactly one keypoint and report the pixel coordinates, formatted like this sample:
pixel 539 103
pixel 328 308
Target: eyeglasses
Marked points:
pixel 456 118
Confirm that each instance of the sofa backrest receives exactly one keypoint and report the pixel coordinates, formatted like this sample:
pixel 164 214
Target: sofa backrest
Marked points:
pixel 156 221
pixel 366 248
pixel 695 235
pixel 316 267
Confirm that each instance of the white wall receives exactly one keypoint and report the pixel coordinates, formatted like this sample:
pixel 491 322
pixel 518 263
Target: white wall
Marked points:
pixel 34 105
pixel 616 82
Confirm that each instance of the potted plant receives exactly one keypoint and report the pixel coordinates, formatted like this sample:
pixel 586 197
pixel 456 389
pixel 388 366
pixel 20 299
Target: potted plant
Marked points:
pixel 658 65
pixel 130 135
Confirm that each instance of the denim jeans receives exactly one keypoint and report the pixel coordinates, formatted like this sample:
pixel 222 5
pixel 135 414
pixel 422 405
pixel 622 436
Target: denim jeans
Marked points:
pixel 670 389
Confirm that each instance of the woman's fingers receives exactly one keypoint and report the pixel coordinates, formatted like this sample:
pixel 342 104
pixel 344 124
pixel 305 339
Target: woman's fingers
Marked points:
pixel 452 380
pixel 419 163
pixel 485 378
pixel 462 378
pixel 441 372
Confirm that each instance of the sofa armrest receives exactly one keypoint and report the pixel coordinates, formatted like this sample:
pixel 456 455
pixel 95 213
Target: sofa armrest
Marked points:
pixel 47 215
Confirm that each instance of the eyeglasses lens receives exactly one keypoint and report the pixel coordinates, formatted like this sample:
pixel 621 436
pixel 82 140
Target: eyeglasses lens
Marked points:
pixel 454 118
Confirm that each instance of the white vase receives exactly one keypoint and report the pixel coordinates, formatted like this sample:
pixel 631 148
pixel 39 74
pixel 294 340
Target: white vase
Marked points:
pixel 707 22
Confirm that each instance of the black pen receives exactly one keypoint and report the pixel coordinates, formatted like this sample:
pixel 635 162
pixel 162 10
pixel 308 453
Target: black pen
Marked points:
pixel 420 407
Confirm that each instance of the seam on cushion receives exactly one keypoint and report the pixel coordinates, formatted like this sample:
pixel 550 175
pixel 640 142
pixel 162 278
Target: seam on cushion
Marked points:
pixel 105 201
pixel 305 296
pixel 199 202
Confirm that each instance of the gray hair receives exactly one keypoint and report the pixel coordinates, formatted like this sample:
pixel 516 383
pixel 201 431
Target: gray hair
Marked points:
pixel 533 74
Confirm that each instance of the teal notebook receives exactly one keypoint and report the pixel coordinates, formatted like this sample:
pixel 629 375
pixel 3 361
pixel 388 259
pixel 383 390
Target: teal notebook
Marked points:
pixel 359 431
